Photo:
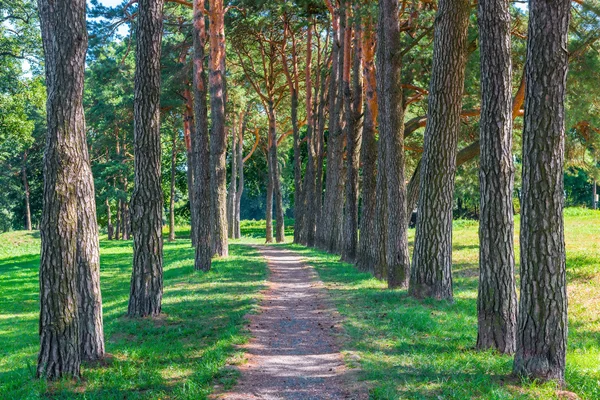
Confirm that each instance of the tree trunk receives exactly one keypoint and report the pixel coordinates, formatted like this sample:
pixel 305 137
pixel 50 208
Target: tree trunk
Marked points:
pixel 240 189
pixel 201 147
pixel 64 37
pixel 147 199
pixel 497 297
pixel 352 114
pixel 431 274
pixel 125 217
pixel 218 136
pixel 542 321
pixel 275 176
pixel 391 132
pixel 298 189
pixel 188 126
pixel 333 202
pixel 367 244
pixel 233 184
pixel 595 195
pixel 26 193
pixel 91 331
pixel 118 221
pixel 269 201
pixel 315 217
pixel 109 224
pixel 172 191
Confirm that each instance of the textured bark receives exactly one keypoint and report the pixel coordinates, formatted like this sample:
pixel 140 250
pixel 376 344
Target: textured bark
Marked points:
pixel 367 244
pixel 332 213
pixel 147 199
pixel 218 136
pixel 201 147
pixel 497 297
pixel 26 192
pixel 240 189
pixel 431 274
pixel 542 321
pixel 275 180
pixel 188 132
pixel 65 42
pixel 172 191
pixel 391 132
pixel 298 187
pixel 320 153
pixel 91 332
pixel 269 201
pixel 353 133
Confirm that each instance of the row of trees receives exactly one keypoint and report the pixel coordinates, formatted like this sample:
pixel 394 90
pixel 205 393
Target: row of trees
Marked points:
pixel 351 69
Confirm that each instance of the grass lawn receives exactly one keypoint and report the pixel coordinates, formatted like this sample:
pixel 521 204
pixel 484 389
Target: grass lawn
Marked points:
pixel 181 355
pixel 409 349
pixel 406 349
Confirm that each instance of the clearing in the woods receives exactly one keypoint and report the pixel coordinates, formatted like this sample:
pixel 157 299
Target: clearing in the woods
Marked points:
pixel 394 346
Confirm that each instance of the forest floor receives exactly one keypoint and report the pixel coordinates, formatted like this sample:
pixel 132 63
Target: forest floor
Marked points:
pixel 396 346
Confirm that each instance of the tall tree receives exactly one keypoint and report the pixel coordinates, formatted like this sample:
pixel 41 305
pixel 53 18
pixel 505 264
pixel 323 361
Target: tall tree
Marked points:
pixel 218 135
pixel 497 297
pixel 542 320
pixel 352 113
pixel 391 132
pixel 431 273
pixel 69 268
pixel 201 146
pixel 147 199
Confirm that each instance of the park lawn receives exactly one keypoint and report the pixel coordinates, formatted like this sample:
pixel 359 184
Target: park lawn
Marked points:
pixel 181 355
pixel 409 349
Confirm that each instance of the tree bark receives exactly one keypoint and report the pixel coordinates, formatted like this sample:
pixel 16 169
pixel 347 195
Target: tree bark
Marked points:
pixel 269 200
pixel 233 184
pixel 315 230
pixel 240 189
pixel 275 180
pixel 391 132
pixel 64 37
pixel 188 127
pixel 172 188
pixel 353 133
pixel 497 296
pixel 334 186
pixel 201 147
pixel 26 193
pixel 118 221
pixel 367 244
pixel 147 199
pixel 542 320
pixel 218 136
pixel 431 274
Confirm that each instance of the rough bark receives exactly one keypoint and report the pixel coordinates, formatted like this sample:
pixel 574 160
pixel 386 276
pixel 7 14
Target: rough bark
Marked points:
pixel 269 201
pixel 65 42
pixel 218 135
pixel 331 216
pixel 542 320
pixel 391 132
pixel 431 273
pixel 353 133
pixel 147 199
pixel 317 205
pixel 497 297
pixel 188 132
pixel 26 192
pixel 367 244
pixel 201 146
pixel 275 180
pixel 172 188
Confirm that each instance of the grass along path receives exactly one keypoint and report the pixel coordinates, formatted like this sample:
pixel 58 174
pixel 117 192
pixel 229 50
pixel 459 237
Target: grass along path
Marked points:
pixel 409 349
pixel 180 355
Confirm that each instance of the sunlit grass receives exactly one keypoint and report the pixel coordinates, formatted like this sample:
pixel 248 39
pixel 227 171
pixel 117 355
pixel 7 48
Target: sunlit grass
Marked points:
pixel 409 349
pixel 180 355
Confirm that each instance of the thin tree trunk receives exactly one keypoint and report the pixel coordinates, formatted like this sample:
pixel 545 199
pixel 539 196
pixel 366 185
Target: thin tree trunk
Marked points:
pixel 64 37
pixel 233 184
pixel 125 217
pixel 172 191
pixel 188 127
pixel 497 297
pixel 269 201
pixel 367 244
pixel 391 132
pixel 353 133
pixel 542 320
pixel 240 188
pixel 333 202
pixel 218 136
pixel 26 192
pixel 147 199
pixel 201 147
pixel 431 274
pixel 275 177
pixel 118 221
pixel 316 225
pixel 109 224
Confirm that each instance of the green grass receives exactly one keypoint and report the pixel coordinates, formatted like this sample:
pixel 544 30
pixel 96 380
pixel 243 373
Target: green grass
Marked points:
pixel 409 349
pixel 180 355
pixel 406 349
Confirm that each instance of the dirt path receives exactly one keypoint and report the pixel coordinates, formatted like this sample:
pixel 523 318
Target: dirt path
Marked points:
pixel 293 353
